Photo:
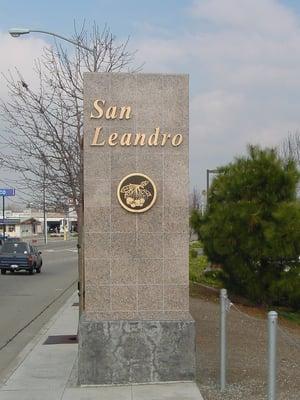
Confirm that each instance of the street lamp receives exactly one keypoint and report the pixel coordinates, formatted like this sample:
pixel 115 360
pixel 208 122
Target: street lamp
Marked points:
pixel 16 32
pixel 209 171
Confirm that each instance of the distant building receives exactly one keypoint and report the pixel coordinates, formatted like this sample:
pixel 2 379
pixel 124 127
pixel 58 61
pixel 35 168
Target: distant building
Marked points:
pixel 31 223
pixel 16 227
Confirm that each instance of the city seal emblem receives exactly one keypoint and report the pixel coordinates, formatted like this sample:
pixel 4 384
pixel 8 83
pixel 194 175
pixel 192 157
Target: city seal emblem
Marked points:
pixel 136 193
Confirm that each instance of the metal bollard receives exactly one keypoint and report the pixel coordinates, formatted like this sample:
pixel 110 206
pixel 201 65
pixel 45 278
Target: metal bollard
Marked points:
pixel 272 336
pixel 223 301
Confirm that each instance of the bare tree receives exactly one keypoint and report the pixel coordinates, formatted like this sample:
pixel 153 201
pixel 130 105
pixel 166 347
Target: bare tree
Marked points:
pixel 195 199
pixel 290 148
pixel 44 126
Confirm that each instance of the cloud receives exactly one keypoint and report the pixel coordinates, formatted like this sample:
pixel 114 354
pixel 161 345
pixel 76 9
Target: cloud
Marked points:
pixel 265 16
pixel 243 58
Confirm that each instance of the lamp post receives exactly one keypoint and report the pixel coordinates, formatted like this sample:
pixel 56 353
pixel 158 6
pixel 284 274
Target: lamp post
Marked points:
pixel 209 171
pixel 16 32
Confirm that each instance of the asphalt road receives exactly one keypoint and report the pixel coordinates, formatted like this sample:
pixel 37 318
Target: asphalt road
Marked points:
pixel 27 302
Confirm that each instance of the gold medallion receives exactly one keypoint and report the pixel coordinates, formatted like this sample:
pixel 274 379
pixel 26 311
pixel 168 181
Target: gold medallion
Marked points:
pixel 136 193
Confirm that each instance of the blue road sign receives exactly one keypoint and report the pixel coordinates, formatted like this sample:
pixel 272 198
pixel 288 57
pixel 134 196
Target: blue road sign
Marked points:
pixel 7 192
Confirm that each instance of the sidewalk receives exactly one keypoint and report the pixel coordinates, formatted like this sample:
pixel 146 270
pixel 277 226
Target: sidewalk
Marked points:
pixel 48 372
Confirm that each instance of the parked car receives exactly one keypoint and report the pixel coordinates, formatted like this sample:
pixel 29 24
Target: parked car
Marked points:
pixel 13 239
pixel 8 239
pixel 16 256
pixel 2 239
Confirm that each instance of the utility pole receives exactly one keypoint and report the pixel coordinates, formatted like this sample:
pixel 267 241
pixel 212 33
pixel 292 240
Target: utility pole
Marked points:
pixel 44 206
pixel 4 193
pixel 3 216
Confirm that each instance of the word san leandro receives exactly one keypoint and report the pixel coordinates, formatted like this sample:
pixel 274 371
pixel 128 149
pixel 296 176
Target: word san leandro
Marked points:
pixel 156 138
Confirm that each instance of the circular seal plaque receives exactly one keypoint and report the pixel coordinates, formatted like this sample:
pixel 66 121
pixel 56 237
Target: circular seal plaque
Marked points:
pixel 136 193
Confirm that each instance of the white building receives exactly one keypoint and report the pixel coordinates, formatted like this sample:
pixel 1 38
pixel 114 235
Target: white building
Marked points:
pixel 31 223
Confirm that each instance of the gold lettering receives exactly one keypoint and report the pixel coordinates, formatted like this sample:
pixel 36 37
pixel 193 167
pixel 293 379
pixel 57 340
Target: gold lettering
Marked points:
pixel 112 139
pixel 98 108
pixel 125 111
pixel 165 138
pixel 111 112
pixel 153 139
pixel 97 133
pixel 135 139
pixel 177 140
pixel 126 139
pixel 139 137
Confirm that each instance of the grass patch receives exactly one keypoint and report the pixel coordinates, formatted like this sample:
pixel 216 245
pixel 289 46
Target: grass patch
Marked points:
pixel 293 316
pixel 197 265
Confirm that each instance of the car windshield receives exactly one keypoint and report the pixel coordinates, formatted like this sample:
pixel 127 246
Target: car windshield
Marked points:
pixel 18 248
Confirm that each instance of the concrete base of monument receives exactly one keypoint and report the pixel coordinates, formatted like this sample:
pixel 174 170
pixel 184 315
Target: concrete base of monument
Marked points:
pixel 121 352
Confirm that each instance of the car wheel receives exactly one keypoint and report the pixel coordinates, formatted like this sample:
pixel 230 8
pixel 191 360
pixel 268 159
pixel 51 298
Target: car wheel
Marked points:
pixel 31 271
pixel 3 271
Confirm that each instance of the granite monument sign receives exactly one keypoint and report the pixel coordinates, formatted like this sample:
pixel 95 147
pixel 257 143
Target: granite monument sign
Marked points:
pixel 135 325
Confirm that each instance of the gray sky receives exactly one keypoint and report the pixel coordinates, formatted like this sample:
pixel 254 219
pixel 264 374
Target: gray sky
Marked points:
pixel 242 56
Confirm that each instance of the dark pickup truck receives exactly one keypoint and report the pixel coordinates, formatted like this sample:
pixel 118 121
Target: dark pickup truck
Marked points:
pixel 16 256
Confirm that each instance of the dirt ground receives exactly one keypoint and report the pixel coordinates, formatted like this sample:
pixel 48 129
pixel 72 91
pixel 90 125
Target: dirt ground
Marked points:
pixel 246 351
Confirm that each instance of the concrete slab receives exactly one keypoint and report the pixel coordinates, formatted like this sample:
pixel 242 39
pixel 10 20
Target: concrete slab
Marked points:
pixel 30 395
pixel 46 367
pixel 167 391
pixel 96 393
pixel 68 325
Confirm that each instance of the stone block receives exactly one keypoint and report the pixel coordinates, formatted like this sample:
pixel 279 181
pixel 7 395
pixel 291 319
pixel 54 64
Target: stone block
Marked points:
pixel 98 193
pixel 122 165
pixel 136 327
pixel 97 297
pixel 149 94
pixel 151 164
pixel 99 166
pixel 117 352
pixel 176 245
pixel 123 245
pixel 176 219
pixel 122 221
pixel 176 298
pixel 123 90
pixel 175 193
pixel 175 91
pixel 150 271
pixel 97 270
pixel 124 298
pixel 97 219
pixel 176 271
pixel 150 297
pixel 91 84
pixel 176 167
pixel 124 271
pixel 97 245
pixel 150 221
pixel 149 245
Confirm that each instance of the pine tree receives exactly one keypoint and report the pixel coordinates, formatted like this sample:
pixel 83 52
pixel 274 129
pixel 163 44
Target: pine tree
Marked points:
pixel 252 227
